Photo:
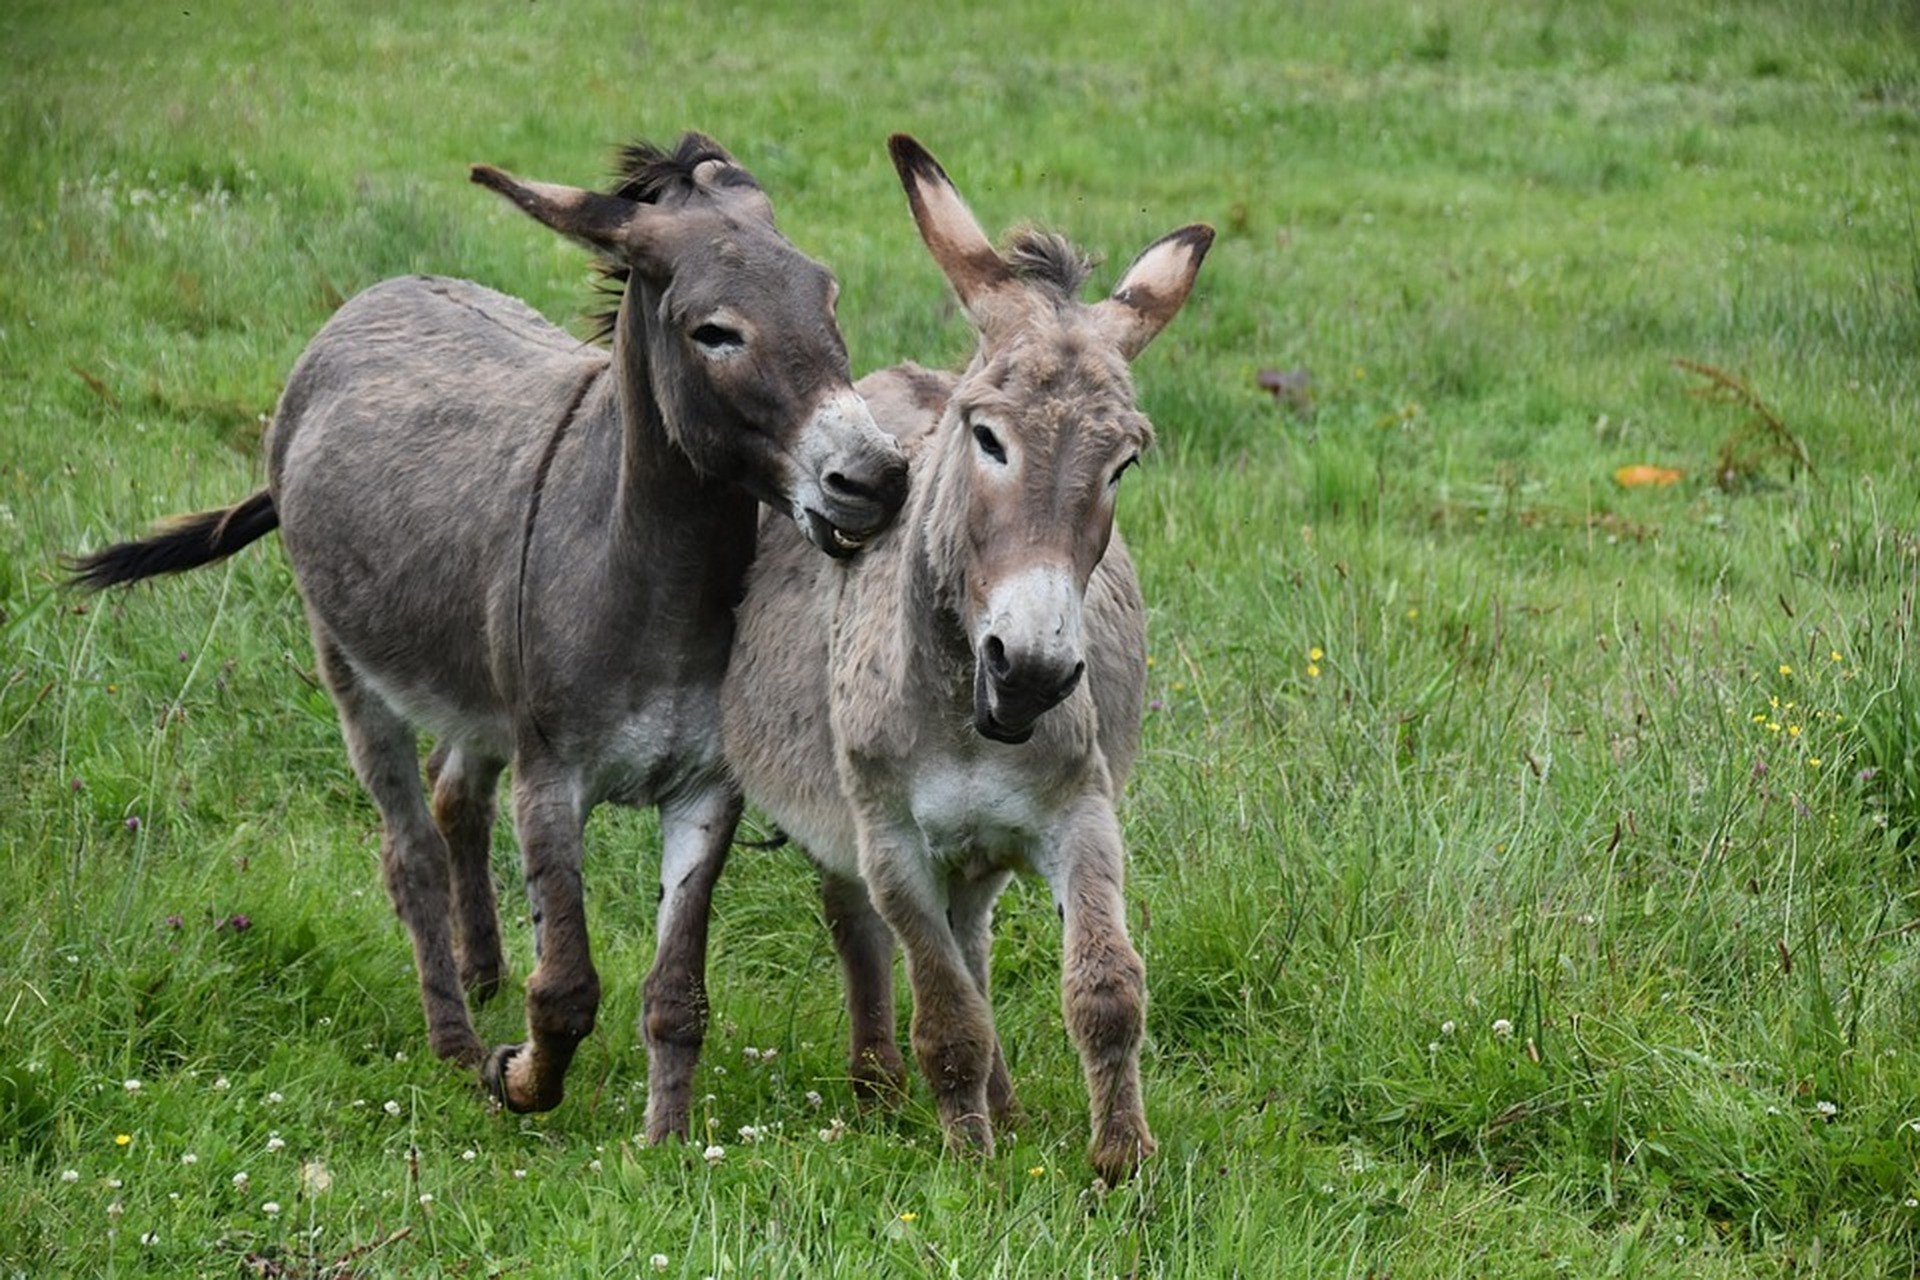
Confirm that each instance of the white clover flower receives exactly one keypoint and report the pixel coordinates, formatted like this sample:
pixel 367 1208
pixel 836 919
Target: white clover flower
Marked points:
pixel 834 1131
pixel 240 1180
pixel 270 1208
pixel 391 1107
pixel 133 1086
pixel 115 1209
pixel 222 1083
pixel 1502 1028
pixel 750 1053
pixel 275 1142
pixel 749 1135
pixel 469 1154
pixel 314 1178
pixel 1447 1028
pixel 1827 1109
pixel 426 1198
pixel 69 1175
pixel 114 1184
pixel 520 1173
pixel 150 1238
pixel 660 1261
pixel 189 1158
pixel 714 1155
pixel 813 1098
pixel 275 1097
pixel 593 1165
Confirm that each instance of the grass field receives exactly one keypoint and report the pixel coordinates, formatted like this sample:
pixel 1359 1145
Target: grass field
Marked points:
pixel 1524 861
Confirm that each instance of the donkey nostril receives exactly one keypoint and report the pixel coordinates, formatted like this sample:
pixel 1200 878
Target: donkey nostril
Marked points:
pixel 997 665
pixel 1073 679
pixel 841 485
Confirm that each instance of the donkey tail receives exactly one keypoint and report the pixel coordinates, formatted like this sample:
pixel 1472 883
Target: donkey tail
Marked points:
pixel 182 543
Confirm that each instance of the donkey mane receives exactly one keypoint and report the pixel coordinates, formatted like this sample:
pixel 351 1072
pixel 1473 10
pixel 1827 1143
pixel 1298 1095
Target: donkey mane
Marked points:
pixel 649 174
pixel 1049 260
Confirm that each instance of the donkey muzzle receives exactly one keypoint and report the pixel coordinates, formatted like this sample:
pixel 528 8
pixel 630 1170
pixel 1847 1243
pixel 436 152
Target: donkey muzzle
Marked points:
pixel 1028 658
pixel 854 479
pixel 1006 708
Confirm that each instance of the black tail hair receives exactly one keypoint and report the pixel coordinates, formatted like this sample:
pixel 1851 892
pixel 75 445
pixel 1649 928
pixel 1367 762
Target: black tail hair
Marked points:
pixel 182 543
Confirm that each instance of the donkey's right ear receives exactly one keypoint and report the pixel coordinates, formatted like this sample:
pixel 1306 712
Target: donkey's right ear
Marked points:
pixel 971 264
pixel 609 225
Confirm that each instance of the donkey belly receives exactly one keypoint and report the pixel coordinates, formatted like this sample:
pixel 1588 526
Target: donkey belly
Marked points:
pixel 403 458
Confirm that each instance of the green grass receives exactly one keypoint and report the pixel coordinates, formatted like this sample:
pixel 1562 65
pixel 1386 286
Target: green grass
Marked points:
pixel 1524 865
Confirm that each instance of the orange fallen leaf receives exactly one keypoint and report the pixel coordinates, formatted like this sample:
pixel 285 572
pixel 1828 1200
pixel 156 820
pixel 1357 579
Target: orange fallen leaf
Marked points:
pixel 1644 475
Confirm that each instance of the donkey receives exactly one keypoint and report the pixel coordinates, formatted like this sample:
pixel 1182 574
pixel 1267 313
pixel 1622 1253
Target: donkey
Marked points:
pixel 532 547
pixel 976 678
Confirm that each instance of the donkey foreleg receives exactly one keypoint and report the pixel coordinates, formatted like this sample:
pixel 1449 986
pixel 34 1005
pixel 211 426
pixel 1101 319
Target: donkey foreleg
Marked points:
pixel 1103 988
pixel 952 1028
pixel 563 991
pixel 696 832
pixel 971 915
pixel 413 854
pixel 464 807
pixel 865 945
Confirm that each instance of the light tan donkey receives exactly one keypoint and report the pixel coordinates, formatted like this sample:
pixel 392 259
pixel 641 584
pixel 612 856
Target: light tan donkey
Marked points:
pixel 963 701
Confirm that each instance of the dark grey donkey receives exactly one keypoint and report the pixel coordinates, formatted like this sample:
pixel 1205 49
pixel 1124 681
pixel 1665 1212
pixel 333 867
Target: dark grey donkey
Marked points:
pixel 533 550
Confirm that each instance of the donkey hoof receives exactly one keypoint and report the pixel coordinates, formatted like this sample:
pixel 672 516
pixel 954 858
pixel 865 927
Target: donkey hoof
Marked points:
pixel 505 1078
pixel 879 1076
pixel 462 1048
pixel 1116 1156
pixel 970 1135
pixel 481 986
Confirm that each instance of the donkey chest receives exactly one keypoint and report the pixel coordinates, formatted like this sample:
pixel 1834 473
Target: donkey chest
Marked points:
pixel 659 747
pixel 994 805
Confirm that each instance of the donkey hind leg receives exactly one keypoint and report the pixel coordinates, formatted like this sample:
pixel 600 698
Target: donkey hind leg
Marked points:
pixel 563 991
pixel 865 947
pixel 413 854
pixel 952 1025
pixel 1103 989
pixel 972 918
pixel 696 832
pixel 464 807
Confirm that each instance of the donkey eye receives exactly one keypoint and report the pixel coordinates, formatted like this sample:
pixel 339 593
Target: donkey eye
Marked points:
pixel 718 339
pixel 1133 460
pixel 989 443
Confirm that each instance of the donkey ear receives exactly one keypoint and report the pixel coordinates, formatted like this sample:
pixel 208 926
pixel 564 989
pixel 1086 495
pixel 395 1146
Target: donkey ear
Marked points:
pixel 952 235
pixel 1155 286
pixel 607 224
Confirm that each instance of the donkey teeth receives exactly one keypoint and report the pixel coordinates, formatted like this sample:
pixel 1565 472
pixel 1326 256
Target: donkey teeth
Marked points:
pixel 846 542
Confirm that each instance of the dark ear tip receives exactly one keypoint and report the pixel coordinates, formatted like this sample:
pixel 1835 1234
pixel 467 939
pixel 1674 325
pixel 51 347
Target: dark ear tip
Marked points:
pixel 911 160
pixel 1198 237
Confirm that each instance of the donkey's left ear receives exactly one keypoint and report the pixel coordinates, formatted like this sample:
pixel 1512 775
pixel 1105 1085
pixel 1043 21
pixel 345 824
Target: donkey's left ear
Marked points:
pixel 612 226
pixel 1155 286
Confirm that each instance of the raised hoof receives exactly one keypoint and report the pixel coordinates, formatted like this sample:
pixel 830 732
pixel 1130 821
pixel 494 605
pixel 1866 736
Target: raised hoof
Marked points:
pixel 504 1079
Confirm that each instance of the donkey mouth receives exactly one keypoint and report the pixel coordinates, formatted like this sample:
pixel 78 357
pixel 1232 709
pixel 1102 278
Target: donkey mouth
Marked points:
pixel 832 539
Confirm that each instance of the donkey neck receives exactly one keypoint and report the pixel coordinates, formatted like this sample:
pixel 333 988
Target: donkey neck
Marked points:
pixel 688 534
